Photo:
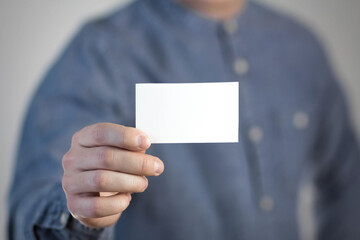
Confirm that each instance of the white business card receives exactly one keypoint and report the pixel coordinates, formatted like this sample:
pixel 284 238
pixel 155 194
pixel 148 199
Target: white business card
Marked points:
pixel 188 112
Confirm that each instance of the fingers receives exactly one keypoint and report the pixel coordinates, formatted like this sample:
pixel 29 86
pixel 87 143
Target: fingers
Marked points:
pixel 99 222
pixel 106 162
pixel 109 134
pixel 110 158
pixel 103 181
pixel 98 207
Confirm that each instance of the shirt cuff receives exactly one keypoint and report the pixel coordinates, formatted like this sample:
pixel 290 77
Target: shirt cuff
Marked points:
pixel 75 226
pixel 56 217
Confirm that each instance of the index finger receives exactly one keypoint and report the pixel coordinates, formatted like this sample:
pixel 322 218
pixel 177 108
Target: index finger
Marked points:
pixel 110 134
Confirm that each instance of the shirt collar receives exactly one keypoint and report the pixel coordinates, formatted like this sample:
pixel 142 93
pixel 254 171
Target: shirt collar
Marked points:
pixel 183 17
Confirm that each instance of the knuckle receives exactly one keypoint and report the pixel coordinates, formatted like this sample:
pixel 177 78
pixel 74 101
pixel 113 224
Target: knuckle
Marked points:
pixel 144 164
pixel 75 138
pixel 126 137
pixel 105 157
pixel 98 133
pixel 95 207
pixel 67 160
pixel 100 180
pixel 69 185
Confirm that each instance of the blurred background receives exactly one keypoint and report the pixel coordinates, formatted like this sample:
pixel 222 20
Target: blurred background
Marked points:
pixel 33 33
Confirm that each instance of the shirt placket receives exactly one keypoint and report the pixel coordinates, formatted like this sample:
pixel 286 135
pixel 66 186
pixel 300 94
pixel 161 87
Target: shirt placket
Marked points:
pixel 251 132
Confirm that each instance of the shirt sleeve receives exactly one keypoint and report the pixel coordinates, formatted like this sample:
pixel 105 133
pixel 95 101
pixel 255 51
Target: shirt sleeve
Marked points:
pixel 76 92
pixel 337 159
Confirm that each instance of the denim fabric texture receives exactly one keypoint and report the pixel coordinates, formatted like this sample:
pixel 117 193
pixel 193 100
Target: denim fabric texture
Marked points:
pixel 294 129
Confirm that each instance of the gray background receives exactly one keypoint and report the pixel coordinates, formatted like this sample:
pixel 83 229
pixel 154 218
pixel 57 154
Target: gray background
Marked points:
pixel 32 33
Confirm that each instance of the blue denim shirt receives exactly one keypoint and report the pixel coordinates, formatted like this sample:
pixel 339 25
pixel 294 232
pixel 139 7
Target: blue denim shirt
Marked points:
pixel 294 129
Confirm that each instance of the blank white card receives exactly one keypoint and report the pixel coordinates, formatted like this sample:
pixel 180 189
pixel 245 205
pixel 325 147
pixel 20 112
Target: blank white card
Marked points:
pixel 188 112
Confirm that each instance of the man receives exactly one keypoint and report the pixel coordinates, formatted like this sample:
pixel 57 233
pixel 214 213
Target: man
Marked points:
pixel 294 132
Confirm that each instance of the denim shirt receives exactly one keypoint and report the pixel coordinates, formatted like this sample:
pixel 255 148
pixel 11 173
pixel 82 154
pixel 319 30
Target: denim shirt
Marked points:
pixel 294 129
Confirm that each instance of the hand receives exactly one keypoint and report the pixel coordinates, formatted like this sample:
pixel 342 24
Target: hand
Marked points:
pixel 105 164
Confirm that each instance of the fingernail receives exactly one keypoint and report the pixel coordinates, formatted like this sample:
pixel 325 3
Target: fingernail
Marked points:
pixel 143 142
pixel 157 167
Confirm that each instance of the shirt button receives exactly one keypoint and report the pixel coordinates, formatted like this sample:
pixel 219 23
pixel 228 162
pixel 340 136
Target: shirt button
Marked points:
pixel 63 218
pixel 241 67
pixel 230 26
pixel 266 203
pixel 300 120
pixel 255 134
